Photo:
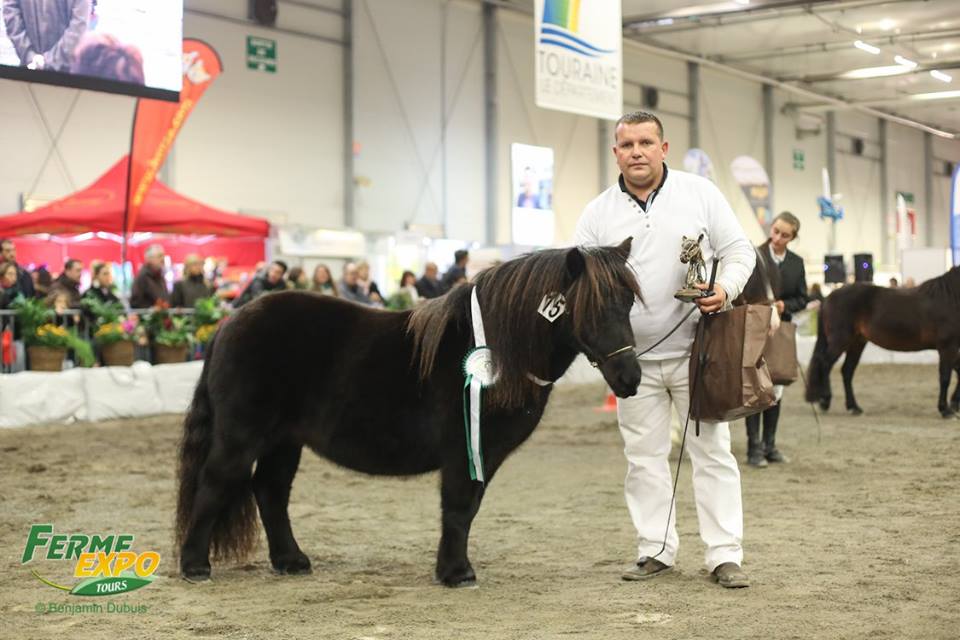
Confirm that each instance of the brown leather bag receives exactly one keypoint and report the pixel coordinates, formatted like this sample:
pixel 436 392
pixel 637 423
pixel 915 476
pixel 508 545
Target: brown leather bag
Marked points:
pixel 734 381
pixel 781 354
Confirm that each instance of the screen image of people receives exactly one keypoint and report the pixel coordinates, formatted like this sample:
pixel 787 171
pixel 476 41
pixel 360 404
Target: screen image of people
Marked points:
pixel 137 42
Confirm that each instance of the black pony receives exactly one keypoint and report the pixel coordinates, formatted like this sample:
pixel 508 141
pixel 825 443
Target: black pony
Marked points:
pixel 924 317
pixel 381 392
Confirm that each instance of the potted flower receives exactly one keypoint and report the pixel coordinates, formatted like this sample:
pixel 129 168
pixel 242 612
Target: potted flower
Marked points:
pixel 207 317
pixel 113 333
pixel 170 334
pixel 47 343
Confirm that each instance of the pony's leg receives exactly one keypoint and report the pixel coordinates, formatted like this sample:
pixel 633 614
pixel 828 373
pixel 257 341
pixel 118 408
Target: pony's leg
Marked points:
pixel 827 360
pixel 955 400
pixel 459 500
pixel 854 351
pixel 271 487
pixel 948 361
pixel 226 472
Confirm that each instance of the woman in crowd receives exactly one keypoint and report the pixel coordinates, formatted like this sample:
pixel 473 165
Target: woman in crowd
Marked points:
pixel 8 284
pixel 101 283
pixel 369 286
pixel 297 279
pixel 406 296
pixel 323 281
pixel 791 297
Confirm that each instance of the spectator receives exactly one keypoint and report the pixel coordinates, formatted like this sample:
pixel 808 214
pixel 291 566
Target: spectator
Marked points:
pixel 272 280
pixel 149 287
pixel 297 279
pixel 103 56
pixel 457 274
pixel 350 286
pixel 45 34
pixel 101 285
pixel 406 296
pixel 909 283
pixel 68 283
pixel 9 288
pixel 428 286
pixel 323 281
pixel 369 286
pixel 893 283
pixel 42 281
pixel 193 286
pixel 8 253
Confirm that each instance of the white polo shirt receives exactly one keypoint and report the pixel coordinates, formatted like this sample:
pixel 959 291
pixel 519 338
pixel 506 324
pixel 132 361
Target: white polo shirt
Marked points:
pixel 684 205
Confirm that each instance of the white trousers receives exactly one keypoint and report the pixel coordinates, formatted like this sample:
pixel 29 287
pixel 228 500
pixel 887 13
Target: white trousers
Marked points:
pixel 645 427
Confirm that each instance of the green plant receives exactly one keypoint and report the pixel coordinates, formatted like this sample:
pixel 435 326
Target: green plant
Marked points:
pixel 110 326
pixel 207 311
pixel 31 314
pixel 175 333
pixel 50 335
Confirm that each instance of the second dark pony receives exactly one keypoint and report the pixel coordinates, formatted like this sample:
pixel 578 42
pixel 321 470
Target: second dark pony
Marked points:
pixel 382 392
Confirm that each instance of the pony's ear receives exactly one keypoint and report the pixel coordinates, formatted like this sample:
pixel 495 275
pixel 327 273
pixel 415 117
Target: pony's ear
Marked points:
pixel 576 265
pixel 624 247
pixel 700 239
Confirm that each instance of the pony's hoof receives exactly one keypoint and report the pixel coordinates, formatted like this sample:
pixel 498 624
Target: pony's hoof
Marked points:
pixel 195 574
pixel 463 579
pixel 824 405
pixel 955 407
pixel 294 565
pixel 855 411
pixel 948 413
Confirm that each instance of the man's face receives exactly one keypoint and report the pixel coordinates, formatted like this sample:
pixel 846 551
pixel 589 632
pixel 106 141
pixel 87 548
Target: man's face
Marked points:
pixel 9 252
pixel 350 275
pixel 431 271
pixel 73 272
pixel 274 273
pixel 155 261
pixel 195 268
pixel 640 153
pixel 106 277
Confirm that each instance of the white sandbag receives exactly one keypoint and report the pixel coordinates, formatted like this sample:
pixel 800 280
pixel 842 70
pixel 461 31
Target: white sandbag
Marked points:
pixel 33 397
pixel 121 392
pixel 176 383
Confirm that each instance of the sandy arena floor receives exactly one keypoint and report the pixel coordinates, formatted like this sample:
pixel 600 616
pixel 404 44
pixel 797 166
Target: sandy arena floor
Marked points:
pixel 859 537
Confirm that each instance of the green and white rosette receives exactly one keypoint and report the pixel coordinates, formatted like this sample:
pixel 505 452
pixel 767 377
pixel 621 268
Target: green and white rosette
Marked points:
pixel 480 372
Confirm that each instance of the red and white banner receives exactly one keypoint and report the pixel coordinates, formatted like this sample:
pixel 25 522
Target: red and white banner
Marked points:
pixel 157 123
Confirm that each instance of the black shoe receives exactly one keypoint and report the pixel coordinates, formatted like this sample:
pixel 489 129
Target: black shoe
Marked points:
pixel 646 568
pixel 755 457
pixel 776 457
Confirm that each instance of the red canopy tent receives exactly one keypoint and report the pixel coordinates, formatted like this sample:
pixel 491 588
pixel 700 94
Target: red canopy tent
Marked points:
pixel 88 225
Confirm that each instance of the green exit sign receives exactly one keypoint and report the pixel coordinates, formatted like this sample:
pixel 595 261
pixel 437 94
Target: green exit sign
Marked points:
pixel 261 54
pixel 798 159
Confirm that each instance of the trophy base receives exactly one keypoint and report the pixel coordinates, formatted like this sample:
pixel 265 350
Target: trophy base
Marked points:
pixel 689 295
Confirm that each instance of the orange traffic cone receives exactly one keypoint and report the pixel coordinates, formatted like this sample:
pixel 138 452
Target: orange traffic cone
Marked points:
pixel 609 405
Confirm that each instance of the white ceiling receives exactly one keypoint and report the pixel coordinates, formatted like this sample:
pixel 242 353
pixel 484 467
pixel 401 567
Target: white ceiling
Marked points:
pixel 810 43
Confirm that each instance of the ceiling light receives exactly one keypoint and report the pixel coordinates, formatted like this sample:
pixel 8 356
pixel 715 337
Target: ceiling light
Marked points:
pixel 869 48
pixel 886 24
pixel 934 55
pixel 936 95
pixel 744 2
pixel 941 76
pixel 904 61
pixel 875 72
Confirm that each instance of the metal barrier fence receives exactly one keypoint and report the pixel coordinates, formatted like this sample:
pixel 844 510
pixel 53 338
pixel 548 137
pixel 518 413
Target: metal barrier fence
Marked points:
pixel 78 320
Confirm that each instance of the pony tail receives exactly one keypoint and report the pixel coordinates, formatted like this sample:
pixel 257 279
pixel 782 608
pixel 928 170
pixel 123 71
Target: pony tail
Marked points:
pixel 818 363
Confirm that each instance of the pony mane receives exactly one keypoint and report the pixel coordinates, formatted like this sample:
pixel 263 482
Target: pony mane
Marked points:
pixel 946 287
pixel 509 296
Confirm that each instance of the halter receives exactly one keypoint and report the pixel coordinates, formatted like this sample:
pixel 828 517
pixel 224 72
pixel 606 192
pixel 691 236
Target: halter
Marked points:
pixel 613 354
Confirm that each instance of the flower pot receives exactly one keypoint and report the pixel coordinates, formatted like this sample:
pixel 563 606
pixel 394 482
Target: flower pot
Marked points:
pixel 162 354
pixel 46 358
pixel 117 354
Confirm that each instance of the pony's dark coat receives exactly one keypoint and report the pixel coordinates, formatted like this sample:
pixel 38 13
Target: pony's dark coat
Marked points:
pixel 924 317
pixel 381 392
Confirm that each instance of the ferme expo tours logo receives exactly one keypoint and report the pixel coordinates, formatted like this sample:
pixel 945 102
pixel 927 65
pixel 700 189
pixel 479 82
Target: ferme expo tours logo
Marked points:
pixel 104 562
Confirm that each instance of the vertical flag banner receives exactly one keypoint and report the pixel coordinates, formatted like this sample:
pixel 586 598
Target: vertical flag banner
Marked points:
pixel 698 162
pixel 955 216
pixel 579 57
pixel 752 178
pixel 156 123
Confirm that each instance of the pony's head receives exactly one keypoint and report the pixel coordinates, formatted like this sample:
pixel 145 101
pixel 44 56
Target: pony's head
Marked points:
pixel 690 248
pixel 527 337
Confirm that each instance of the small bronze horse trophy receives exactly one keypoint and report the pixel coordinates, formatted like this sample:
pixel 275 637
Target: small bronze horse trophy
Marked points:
pixel 692 255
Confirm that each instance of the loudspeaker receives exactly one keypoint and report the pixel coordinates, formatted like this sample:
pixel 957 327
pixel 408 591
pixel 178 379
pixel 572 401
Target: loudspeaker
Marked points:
pixel 651 97
pixel 857 146
pixel 834 271
pixel 863 267
pixel 264 12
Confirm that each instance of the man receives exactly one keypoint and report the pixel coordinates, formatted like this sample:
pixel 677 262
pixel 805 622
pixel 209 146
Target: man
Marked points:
pixel 193 286
pixel 428 286
pixel 149 287
pixel 68 283
pixel 24 281
pixel 350 288
pixel 457 273
pixel 657 207
pixel 45 33
pixel 267 282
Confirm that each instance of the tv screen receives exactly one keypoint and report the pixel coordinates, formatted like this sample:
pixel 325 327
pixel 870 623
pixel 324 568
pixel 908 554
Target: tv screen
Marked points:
pixel 132 47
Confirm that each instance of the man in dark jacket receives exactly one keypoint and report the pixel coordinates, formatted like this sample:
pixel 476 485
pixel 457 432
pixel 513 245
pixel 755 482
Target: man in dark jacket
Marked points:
pixel 9 254
pixel 45 33
pixel 193 286
pixel 272 280
pixel 428 286
pixel 457 273
pixel 68 283
pixel 149 287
